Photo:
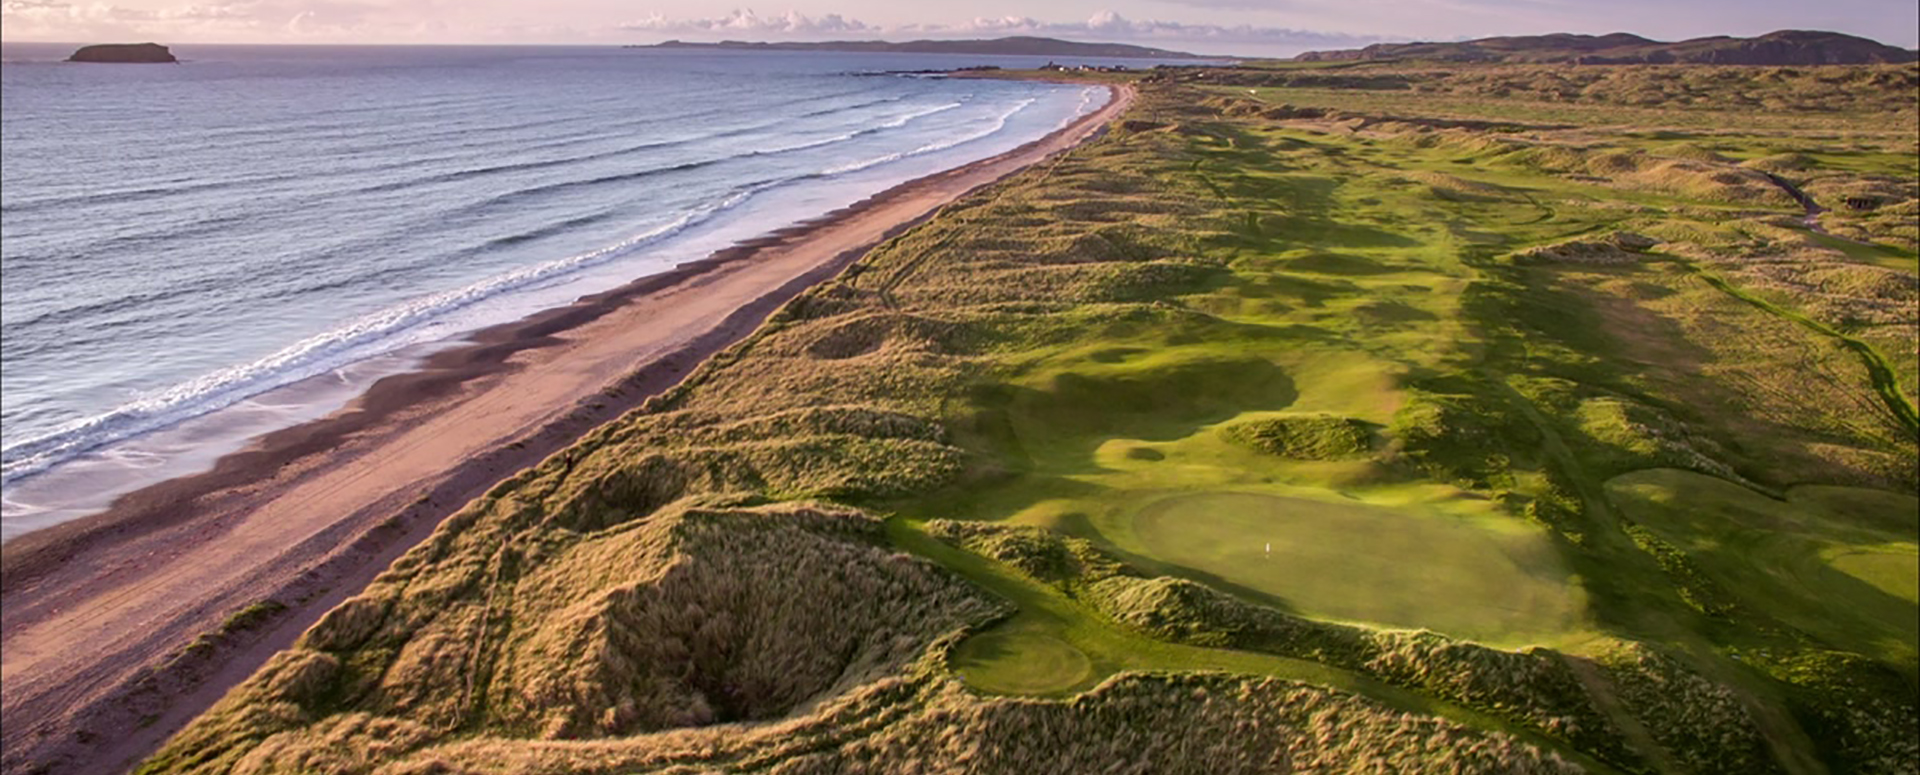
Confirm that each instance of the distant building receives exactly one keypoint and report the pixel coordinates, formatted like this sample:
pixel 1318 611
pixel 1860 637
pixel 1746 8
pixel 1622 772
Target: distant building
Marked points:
pixel 1057 67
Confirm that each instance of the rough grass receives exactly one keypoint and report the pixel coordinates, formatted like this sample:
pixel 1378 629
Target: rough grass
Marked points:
pixel 1702 722
pixel 1200 723
pixel 1305 438
pixel 696 616
pixel 1514 96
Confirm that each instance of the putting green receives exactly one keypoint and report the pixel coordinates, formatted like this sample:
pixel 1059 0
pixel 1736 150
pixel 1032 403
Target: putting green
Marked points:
pixel 1841 563
pixel 1020 661
pixel 1398 567
pixel 1889 570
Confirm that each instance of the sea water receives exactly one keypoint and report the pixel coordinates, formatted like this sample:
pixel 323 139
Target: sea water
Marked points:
pixel 180 240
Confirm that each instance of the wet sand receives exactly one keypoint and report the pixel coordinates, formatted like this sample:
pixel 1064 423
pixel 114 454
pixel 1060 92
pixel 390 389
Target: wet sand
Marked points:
pixel 96 615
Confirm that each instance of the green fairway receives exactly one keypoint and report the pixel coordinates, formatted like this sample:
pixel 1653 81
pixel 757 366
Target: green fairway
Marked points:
pixel 1404 567
pixel 1838 562
pixel 1021 660
pixel 1056 647
pixel 1890 569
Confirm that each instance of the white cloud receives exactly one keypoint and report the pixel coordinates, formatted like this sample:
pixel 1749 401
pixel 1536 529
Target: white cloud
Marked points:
pixel 1225 26
pixel 399 21
pixel 1109 25
pixel 1105 25
pixel 241 20
pixel 791 23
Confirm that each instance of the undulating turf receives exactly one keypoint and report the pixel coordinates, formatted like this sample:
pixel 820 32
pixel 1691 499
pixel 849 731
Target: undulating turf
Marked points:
pixel 1836 562
pixel 1503 582
pixel 1573 445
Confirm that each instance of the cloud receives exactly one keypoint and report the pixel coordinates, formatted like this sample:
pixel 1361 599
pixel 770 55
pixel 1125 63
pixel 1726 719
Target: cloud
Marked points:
pixel 1109 25
pixel 1102 26
pixel 747 22
pixel 281 20
pixel 399 21
pixel 1892 22
pixel 108 12
pixel 1271 27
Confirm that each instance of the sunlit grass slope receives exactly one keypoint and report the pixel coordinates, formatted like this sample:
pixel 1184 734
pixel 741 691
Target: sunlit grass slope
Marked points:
pixel 1836 562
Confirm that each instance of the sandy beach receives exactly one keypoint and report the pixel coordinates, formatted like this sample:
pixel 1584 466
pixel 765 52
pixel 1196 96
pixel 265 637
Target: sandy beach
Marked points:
pixel 97 615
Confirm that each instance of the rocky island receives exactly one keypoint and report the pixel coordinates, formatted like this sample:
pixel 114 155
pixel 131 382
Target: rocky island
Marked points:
pixel 124 53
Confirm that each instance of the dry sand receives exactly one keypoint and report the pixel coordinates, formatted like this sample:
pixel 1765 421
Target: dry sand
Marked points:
pixel 96 615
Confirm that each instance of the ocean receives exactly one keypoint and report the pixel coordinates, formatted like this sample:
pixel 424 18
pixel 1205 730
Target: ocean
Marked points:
pixel 258 232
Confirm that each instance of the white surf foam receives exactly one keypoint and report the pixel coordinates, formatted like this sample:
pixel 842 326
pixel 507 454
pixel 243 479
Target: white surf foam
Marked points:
pixel 999 123
pixel 364 337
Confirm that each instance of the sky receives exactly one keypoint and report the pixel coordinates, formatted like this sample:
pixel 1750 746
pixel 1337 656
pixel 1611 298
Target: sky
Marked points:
pixel 1228 27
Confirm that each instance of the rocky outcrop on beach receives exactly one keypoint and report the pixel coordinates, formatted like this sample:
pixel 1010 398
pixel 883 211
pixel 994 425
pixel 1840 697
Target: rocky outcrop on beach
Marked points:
pixel 124 53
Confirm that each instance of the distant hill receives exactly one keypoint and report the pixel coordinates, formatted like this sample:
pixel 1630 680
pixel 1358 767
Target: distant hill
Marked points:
pixel 1015 46
pixel 1786 47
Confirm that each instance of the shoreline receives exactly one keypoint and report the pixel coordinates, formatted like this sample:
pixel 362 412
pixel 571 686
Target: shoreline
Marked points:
pixel 74 453
pixel 99 612
pixel 88 483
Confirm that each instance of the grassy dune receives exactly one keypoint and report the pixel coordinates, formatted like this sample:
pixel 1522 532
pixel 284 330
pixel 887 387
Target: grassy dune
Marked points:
pixel 1337 426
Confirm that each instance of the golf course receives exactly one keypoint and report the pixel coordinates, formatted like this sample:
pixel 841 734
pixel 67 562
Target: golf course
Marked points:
pixel 1318 416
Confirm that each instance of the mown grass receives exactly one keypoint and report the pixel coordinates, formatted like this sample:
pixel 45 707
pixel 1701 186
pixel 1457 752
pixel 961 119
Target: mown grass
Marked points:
pixel 1099 390
pixel 1346 562
pixel 1049 619
pixel 1055 626
pixel 1835 562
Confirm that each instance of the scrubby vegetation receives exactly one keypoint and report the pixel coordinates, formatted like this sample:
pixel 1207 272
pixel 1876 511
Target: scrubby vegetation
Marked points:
pixel 1511 92
pixel 1701 722
pixel 1335 427
pixel 1305 438
pixel 703 613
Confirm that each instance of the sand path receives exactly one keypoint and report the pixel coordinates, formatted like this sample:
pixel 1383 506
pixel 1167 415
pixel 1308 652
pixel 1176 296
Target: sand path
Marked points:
pixel 96 616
